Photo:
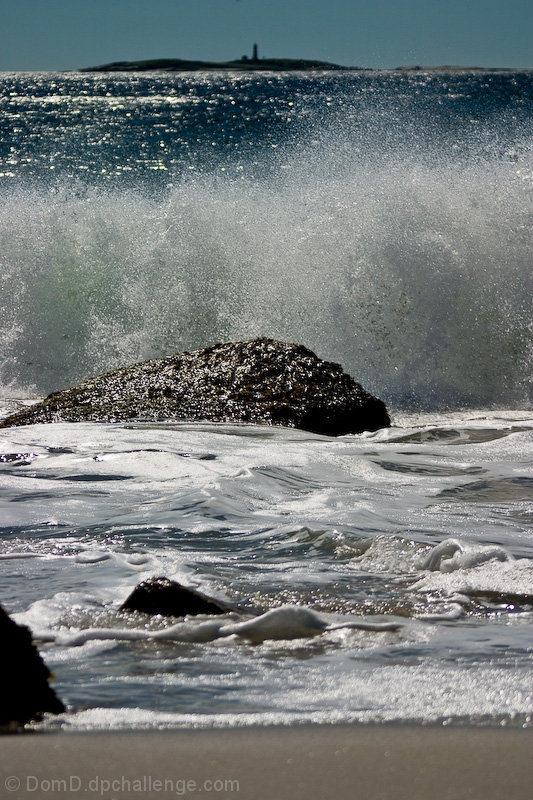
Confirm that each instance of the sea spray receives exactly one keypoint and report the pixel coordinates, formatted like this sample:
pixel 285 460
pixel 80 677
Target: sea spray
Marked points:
pixel 396 243
pixel 379 218
pixel 416 283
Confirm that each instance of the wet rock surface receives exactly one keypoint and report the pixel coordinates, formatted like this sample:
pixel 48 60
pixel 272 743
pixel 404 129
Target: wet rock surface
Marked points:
pixel 169 598
pixel 260 381
pixel 24 694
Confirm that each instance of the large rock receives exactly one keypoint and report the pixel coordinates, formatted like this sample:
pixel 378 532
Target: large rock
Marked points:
pixel 260 381
pixel 163 596
pixel 24 692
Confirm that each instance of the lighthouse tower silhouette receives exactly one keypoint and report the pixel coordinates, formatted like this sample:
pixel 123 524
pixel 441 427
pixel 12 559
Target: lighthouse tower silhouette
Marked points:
pixel 254 54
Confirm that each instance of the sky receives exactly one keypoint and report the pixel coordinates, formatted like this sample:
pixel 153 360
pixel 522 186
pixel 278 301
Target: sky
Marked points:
pixel 69 34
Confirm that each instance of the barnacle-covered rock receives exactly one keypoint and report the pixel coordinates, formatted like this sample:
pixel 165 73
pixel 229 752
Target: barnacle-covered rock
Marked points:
pixel 260 381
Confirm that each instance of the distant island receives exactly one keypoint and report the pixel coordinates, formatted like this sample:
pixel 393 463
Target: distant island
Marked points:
pixel 256 64
pixel 243 64
pixel 268 65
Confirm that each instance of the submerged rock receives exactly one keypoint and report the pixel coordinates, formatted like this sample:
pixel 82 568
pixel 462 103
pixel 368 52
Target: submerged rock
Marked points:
pixel 260 381
pixel 25 693
pixel 163 596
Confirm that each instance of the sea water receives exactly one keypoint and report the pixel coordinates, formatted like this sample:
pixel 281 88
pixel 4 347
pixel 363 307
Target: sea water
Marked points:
pixel 382 219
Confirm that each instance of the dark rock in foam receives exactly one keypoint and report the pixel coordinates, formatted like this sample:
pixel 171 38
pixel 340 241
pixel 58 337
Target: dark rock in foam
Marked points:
pixel 260 381
pixel 163 596
pixel 24 692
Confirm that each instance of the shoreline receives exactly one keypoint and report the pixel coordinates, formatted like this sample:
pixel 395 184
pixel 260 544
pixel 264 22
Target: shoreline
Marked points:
pixel 397 762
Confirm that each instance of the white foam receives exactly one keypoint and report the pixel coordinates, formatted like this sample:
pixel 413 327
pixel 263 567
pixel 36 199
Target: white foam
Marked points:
pixel 92 557
pixel 452 554
pixel 11 556
pixel 508 578
pixel 287 622
pixel 426 692
pixel 438 237
pixel 284 623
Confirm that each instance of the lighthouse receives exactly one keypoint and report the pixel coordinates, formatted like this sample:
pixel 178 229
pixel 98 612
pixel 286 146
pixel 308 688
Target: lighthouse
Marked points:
pixel 254 54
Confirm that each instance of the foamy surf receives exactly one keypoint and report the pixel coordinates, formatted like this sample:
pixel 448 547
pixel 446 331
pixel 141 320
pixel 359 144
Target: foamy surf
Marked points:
pixel 376 552
pixel 381 220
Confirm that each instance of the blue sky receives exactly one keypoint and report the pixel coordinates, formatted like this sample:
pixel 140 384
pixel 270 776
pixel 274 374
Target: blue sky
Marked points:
pixel 67 34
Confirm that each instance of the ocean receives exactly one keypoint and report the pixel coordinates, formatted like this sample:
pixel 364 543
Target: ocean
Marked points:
pixel 382 219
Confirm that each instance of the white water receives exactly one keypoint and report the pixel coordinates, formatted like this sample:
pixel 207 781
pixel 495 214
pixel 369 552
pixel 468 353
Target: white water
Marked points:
pixel 394 569
pixel 385 222
pixel 399 254
pixel 416 279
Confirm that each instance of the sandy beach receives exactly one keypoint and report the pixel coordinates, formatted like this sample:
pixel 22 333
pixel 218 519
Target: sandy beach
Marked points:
pixel 370 762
